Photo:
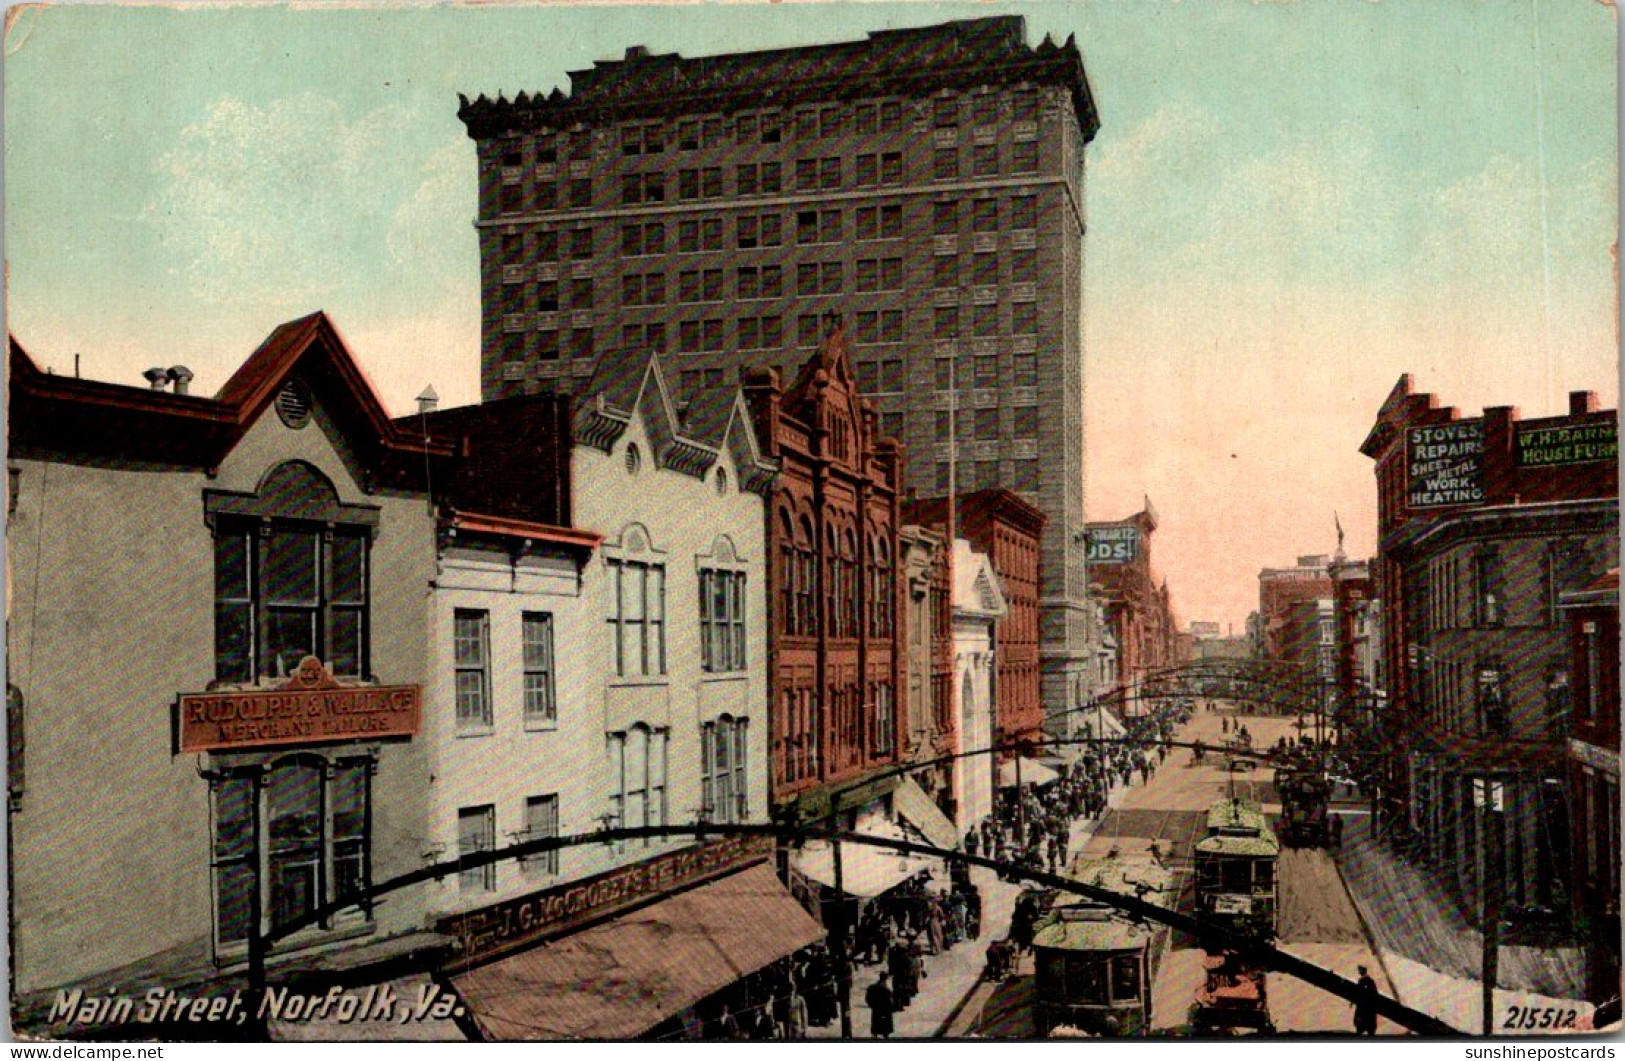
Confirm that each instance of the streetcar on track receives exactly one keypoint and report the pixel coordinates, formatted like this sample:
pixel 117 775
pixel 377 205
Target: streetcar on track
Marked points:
pixel 1236 884
pixel 1094 964
pixel 1305 795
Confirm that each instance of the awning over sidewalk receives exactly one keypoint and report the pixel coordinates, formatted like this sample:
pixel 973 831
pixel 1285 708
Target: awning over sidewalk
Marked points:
pixel 623 976
pixel 1032 771
pixel 865 871
pixel 922 812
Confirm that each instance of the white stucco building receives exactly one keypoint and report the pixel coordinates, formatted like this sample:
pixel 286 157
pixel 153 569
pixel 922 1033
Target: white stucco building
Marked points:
pixel 978 603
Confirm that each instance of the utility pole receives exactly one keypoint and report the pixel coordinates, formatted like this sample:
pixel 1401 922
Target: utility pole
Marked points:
pixel 843 963
pixel 1492 884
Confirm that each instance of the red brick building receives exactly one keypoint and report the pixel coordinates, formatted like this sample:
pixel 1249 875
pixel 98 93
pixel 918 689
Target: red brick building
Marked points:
pixel 1008 530
pixel 1289 627
pixel 1593 625
pixel 837 648
pixel 1138 610
pixel 1483 524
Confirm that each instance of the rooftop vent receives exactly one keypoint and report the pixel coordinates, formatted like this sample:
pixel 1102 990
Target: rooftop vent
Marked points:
pixel 182 377
pixel 157 377
pixel 293 404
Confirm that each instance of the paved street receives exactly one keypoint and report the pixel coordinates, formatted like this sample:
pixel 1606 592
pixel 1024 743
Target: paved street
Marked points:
pixel 1319 922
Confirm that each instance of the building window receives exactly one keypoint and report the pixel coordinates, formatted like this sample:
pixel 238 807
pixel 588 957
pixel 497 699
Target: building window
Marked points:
pixel 581 243
pixel 868 170
pixel 288 589
pixel 477 833
pixel 806 173
pixel 987 424
pixel 985 160
pixel 829 173
pixel 1026 370
pixel 985 215
pixel 987 475
pixel 724 757
pixel 772 127
pixel 581 194
pixel 541 823
pixel 945 271
pixel 985 269
pixel 945 163
pixel 885 718
pixel 471 663
pixel 945 218
pixel 985 320
pixel 945 322
pixel 638 616
pixel 1487 588
pixel 1024 266
pixel 637 763
pixel 945 113
pixel 541 703
pixel 1024 318
pixel 891 167
pixel 1026 425
pixel 317 847
pixel 722 620
pixel 1492 707
pixel 1023 156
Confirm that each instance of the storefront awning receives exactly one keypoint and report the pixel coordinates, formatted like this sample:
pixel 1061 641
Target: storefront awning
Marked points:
pixel 1032 772
pixel 866 871
pixel 623 976
pixel 922 812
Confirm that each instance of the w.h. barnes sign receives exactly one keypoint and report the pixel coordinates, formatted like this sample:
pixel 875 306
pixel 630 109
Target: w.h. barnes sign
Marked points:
pixel 310 706
pixel 493 930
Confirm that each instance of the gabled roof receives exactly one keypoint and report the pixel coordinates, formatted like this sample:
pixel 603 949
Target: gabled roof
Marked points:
pixel 91 417
pixel 976 586
pixel 691 441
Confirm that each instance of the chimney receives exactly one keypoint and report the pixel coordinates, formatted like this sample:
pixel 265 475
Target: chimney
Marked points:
pixel 157 377
pixel 1582 402
pixel 182 377
pixel 428 401
pixel 636 52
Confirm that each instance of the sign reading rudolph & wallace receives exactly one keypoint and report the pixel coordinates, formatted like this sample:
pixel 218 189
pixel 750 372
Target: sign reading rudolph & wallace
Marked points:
pixel 310 706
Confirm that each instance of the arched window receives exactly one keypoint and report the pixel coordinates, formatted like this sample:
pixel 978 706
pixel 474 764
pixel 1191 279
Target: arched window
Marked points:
pixel 723 770
pixel 637 761
pixel 315 850
pixel 722 609
pixel 637 578
pixel 807 581
pixel 849 585
pixel 291 576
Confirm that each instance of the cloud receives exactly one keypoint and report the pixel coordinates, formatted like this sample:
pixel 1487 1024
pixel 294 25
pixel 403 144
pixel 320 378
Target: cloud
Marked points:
pixel 276 205
pixel 434 219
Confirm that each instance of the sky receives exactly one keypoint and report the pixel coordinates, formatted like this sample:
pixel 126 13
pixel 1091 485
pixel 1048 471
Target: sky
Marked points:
pixel 1290 204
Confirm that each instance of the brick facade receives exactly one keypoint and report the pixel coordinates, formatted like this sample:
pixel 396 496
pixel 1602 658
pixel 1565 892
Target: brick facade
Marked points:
pixel 837 679
pixel 1470 570
pixel 927 184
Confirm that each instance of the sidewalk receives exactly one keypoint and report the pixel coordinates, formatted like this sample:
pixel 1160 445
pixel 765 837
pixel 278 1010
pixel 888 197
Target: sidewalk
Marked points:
pixel 1432 954
pixel 953 993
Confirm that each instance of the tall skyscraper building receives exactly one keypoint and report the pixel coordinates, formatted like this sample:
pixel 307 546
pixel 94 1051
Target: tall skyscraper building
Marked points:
pixel 924 185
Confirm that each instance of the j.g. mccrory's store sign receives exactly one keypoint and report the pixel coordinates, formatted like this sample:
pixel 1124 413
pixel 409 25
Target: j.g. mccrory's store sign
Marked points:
pixel 310 706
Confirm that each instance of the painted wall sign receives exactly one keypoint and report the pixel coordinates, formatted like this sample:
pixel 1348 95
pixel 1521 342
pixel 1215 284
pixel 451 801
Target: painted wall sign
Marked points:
pixel 1540 447
pixel 510 925
pixel 1111 545
pixel 1446 463
pixel 310 706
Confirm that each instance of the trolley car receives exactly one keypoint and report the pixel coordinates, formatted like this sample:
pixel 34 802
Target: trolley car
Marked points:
pixel 1305 803
pixel 1093 962
pixel 1235 867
